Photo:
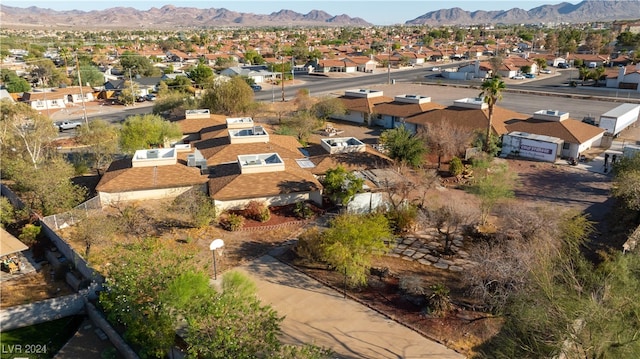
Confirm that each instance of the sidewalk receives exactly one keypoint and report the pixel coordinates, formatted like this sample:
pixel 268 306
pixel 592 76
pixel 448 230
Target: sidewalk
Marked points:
pixel 319 315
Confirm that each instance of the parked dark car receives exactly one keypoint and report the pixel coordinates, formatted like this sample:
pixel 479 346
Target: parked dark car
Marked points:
pixel 256 88
pixel 140 99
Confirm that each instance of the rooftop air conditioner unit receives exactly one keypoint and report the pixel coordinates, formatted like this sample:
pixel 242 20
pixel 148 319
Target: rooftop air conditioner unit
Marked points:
pixel 191 160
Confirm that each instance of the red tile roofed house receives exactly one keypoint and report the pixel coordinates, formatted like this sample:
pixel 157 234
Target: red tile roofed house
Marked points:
pixel 363 63
pixel 598 60
pixel 414 58
pixel 627 77
pixel 394 114
pixel 519 62
pixel 326 66
pixel 577 135
pixel 360 105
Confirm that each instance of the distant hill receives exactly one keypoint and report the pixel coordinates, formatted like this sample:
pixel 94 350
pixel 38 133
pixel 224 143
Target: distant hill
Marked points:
pixel 166 17
pixel 588 10
pixel 172 17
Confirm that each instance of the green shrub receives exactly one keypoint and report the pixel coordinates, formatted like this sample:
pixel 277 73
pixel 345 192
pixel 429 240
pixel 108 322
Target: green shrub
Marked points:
pixel 439 300
pixel 402 219
pixel 232 222
pixel 285 131
pixel 455 166
pixel 303 211
pixel 29 234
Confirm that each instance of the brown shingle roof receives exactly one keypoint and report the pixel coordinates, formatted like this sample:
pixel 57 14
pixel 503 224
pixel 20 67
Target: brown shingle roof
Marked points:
pixel 469 118
pixel 361 104
pixel 404 110
pixel 195 125
pixel 572 131
pixel 121 177
pixel 227 183
pixel 352 161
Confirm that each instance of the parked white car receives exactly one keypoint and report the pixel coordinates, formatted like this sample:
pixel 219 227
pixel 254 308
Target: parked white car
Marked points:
pixel 545 71
pixel 518 77
pixel 68 125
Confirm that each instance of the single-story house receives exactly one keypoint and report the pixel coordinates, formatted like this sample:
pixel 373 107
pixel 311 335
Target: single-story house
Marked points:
pixel 624 77
pixel 360 105
pixel 258 73
pixel 480 70
pixel 149 174
pixel 467 113
pixel 394 114
pixel 58 98
pixel 326 66
pixel 577 135
pixel 363 63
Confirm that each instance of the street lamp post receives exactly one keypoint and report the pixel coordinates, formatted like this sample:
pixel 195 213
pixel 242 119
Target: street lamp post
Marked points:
pixel 215 244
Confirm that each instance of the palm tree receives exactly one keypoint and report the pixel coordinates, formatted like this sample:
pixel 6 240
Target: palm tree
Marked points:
pixel 583 73
pixel 492 93
pixel 541 63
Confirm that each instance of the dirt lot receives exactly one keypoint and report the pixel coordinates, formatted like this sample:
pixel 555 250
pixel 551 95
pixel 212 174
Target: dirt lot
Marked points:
pixel 32 287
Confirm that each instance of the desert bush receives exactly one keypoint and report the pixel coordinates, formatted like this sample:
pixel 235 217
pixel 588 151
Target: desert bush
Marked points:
pixel 258 211
pixel 309 244
pixel 232 222
pixel 302 211
pixel 198 207
pixel 413 285
pixel 439 300
pixel 455 166
pixel 403 218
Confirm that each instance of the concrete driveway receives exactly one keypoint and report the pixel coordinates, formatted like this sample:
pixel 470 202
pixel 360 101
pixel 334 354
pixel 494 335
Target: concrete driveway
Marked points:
pixel 320 315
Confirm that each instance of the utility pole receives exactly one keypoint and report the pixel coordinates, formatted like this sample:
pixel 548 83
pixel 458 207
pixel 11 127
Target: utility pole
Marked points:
pixel 282 78
pixel 84 106
pixel 133 96
pixel 389 65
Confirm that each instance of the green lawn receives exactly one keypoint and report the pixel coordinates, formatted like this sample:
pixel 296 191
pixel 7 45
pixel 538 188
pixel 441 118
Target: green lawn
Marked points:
pixel 38 341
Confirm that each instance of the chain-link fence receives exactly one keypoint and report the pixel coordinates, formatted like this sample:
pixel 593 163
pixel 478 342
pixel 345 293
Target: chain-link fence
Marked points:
pixel 66 219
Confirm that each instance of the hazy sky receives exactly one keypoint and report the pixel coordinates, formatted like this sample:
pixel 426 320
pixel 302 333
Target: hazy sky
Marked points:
pixel 377 12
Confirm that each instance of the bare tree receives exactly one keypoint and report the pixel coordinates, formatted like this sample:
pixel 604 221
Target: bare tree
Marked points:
pixel 449 219
pixel 446 139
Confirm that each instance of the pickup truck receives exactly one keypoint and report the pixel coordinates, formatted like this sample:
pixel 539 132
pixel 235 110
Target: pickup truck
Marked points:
pixel 68 125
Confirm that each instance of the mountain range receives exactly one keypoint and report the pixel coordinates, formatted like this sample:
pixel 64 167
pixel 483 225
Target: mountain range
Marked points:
pixel 585 11
pixel 171 17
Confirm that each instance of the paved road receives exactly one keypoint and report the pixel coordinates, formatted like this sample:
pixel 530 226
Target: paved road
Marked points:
pixel 317 314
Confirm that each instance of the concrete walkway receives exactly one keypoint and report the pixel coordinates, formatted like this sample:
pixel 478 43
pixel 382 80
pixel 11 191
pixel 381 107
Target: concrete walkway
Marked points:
pixel 317 314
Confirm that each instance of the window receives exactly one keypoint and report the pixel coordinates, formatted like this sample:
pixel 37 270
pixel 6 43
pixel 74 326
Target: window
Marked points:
pixel 565 146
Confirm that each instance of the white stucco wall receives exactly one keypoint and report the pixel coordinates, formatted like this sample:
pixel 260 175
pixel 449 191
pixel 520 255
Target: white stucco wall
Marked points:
pixel 352 116
pixel 108 198
pixel 280 200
